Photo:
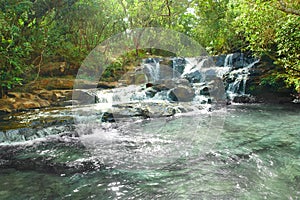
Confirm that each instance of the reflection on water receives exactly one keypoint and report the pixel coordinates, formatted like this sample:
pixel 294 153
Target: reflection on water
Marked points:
pixel 255 154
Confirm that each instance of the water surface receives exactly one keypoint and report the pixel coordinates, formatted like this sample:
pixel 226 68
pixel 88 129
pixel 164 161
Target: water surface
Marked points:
pixel 243 152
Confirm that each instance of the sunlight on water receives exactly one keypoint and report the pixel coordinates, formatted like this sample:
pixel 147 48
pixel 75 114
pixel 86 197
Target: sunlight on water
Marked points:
pixel 255 156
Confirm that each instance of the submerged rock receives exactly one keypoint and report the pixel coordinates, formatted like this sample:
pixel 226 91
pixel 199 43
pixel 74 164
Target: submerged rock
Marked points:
pixel 57 156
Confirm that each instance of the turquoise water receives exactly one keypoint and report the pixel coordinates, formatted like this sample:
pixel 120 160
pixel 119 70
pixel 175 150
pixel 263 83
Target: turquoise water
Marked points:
pixel 243 152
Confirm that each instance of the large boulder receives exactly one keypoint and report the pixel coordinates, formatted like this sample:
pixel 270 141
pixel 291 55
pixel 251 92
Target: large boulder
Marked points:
pixel 181 93
pixel 145 110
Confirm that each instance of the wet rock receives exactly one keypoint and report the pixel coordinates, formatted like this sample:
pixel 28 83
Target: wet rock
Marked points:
pixel 158 110
pixel 204 91
pixel 145 110
pixel 29 157
pixel 169 84
pixel 194 76
pixel 219 60
pixel 161 87
pixel 181 93
pixel 149 85
pixel 108 117
pixel 244 99
pixel 150 92
pixel 178 64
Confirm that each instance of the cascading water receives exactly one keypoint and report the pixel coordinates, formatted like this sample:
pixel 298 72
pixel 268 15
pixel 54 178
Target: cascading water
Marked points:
pixel 153 69
pixel 196 75
pixel 240 77
pixel 186 156
pixel 178 65
pixel 199 72
pixel 228 60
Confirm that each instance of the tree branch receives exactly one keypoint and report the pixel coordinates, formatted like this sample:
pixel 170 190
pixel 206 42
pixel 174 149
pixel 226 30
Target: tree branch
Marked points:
pixel 283 7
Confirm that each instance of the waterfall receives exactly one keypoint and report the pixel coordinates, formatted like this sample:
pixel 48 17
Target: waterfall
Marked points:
pixel 240 77
pixel 106 98
pixel 190 65
pixel 153 69
pixel 178 65
pixel 198 73
pixel 228 60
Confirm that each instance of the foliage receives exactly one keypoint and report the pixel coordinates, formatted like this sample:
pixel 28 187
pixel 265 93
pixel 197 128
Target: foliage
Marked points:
pixel 214 30
pixel 288 39
pixel 15 49
pixel 34 32
pixel 269 30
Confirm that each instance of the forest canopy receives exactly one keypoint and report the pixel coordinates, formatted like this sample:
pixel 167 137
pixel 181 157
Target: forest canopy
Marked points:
pixel 34 32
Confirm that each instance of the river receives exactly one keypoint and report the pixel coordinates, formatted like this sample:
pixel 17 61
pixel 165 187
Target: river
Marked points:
pixel 245 151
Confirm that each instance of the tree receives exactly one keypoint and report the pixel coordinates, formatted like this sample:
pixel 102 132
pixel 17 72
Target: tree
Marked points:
pixel 272 28
pixel 15 49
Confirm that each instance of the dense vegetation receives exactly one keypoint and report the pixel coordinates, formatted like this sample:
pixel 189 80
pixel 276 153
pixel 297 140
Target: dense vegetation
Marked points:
pixel 34 32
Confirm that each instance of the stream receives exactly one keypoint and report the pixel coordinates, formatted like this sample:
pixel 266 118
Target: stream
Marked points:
pixel 254 155
pixel 172 140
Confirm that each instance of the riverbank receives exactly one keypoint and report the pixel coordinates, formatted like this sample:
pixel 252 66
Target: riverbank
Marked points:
pixel 44 93
pixel 241 76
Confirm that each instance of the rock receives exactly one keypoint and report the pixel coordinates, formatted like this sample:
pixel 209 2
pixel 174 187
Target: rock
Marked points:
pixel 149 85
pixel 178 64
pixel 244 99
pixel 219 60
pixel 150 92
pixel 25 104
pixel 194 76
pixel 36 99
pixel 145 110
pixel 131 78
pixel 43 103
pixel 204 91
pixel 296 101
pixel 5 109
pixel 28 96
pixel 205 63
pixel 166 72
pixel 108 117
pixel 161 87
pixel 83 97
pixel 181 93
pixel 14 94
pixel 210 74
pixel 107 85
pixel 45 94
pixel 169 84
pixel 182 81
pixel 13 157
